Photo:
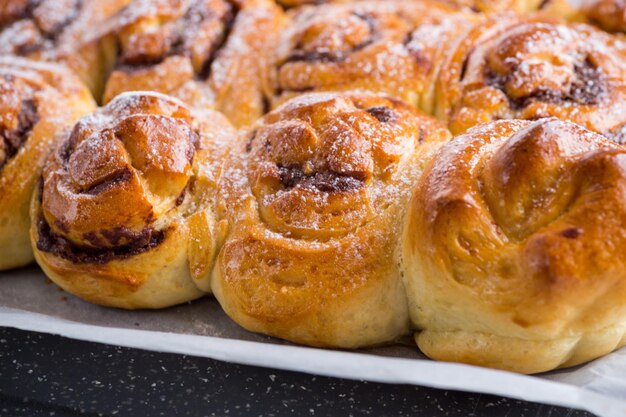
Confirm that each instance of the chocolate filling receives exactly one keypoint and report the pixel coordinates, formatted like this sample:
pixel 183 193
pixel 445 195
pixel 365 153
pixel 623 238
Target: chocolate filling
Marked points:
pixel 299 54
pixel 544 4
pixel 383 114
pixel 114 179
pixel 588 88
pixel 15 11
pixel 249 143
pixel 50 26
pixel 11 140
pixel 139 242
pixel 314 2
pixel 181 41
pixel 327 182
pixel 571 233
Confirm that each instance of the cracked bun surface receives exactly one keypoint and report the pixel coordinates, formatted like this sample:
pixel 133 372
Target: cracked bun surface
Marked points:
pixel 125 214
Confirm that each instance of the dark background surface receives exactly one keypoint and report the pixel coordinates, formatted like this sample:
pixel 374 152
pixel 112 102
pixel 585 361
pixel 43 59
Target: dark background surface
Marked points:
pixel 46 375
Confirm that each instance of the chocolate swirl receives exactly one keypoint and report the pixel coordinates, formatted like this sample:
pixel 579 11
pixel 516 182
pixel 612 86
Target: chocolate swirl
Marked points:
pixel 108 189
pixel 534 68
pixel 324 178
pixel 32 26
pixel 314 198
pixel 193 29
pixel 390 47
pixel 520 227
pixel 164 44
pixel 19 114
pixel 208 53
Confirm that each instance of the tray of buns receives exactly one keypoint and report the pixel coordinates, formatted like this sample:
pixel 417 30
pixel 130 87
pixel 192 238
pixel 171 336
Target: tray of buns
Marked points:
pixel 407 191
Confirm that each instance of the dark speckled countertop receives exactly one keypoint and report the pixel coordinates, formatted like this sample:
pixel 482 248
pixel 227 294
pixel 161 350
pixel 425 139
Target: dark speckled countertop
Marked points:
pixel 45 375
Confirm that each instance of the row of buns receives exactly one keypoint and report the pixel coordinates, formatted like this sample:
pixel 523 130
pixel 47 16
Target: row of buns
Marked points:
pixel 244 57
pixel 335 175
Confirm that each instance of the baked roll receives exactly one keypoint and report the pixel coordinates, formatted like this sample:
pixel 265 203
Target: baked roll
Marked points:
pixel 513 248
pixel 391 47
pixel 55 30
pixel 517 6
pixel 610 15
pixel 314 195
pixel 205 52
pixel 529 68
pixel 125 213
pixel 37 102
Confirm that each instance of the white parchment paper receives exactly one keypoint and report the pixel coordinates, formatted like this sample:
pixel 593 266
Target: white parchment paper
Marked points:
pixel 29 301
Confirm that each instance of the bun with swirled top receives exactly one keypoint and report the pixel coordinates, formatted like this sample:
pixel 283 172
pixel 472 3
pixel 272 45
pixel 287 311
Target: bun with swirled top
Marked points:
pixel 314 196
pixel 56 30
pixel 125 213
pixel 392 47
pixel 534 67
pixel 205 52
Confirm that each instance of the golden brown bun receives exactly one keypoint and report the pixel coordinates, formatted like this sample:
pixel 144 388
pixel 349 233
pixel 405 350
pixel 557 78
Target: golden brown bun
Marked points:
pixel 517 6
pixel 610 15
pixel 125 215
pixel 391 47
pixel 56 30
pixel 529 68
pixel 209 53
pixel 314 195
pixel 37 102
pixel 513 249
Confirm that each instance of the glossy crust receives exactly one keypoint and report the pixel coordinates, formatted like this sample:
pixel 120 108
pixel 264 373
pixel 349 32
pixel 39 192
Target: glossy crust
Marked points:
pixel 609 15
pixel 529 68
pixel 37 102
pixel 391 47
pixel 514 245
pixel 125 214
pixel 314 196
pixel 56 30
pixel 209 53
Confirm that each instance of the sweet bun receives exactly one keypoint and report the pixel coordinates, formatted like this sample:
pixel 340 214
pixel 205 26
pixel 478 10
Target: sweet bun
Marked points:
pixel 534 67
pixel 125 213
pixel 37 102
pixel 388 47
pixel 513 247
pixel 205 52
pixel 314 195
pixel 56 30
